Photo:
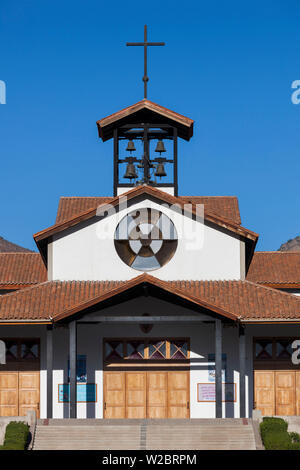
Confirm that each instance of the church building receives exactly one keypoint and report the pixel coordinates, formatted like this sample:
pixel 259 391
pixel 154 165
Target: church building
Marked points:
pixel 148 304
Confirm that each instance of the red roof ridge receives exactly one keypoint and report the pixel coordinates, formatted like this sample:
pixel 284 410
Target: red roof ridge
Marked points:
pixel 145 277
pixel 26 288
pixel 150 190
pixel 276 291
pixel 143 101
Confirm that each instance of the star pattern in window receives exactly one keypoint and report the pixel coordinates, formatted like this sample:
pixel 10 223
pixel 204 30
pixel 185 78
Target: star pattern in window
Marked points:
pixel 146 239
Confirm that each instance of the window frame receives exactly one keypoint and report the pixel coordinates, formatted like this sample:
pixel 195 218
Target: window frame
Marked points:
pixel 274 340
pixel 146 359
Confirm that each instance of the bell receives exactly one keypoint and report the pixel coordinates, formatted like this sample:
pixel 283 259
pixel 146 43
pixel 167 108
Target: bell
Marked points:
pixel 130 146
pixel 160 170
pixel 130 171
pixel 160 147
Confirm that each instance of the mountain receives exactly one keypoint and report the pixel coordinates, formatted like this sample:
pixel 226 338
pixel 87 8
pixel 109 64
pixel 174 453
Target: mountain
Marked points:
pixel 291 245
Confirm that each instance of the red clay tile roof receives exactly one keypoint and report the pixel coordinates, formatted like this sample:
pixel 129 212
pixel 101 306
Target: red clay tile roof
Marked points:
pixel 69 207
pixel 146 107
pixel 41 238
pixel 21 270
pixel 161 196
pixel 242 300
pixel 9 247
pixel 222 206
pixel 280 268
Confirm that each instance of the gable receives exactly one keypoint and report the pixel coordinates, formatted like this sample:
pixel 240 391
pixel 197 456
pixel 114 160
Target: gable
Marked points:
pixel 222 206
pixel 205 250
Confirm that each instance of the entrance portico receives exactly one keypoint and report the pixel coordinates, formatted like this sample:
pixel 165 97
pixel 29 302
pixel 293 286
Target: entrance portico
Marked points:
pixel 143 372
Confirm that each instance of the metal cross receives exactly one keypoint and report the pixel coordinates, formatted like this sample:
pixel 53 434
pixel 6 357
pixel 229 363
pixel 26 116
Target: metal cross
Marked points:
pixel 145 44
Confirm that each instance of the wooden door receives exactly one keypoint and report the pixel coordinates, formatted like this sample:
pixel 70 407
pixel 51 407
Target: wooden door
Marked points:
pixel 29 392
pixel 285 393
pixel 146 394
pixel 157 395
pixel 178 394
pixel 264 395
pixel 9 394
pixel 114 395
pixel 19 392
pixel 136 392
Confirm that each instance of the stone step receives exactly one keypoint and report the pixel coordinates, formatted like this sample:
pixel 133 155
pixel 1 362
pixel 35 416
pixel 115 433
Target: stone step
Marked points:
pixel 160 435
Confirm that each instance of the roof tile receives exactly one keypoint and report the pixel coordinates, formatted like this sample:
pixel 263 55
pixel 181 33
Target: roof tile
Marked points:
pixel 222 206
pixel 21 269
pixel 240 299
pixel 278 267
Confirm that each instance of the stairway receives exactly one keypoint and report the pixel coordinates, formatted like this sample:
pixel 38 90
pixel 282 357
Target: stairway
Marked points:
pixel 196 434
pixel 223 434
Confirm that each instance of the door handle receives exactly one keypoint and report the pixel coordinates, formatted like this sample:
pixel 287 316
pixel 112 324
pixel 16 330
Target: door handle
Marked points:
pixel 188 405
pixel 104 405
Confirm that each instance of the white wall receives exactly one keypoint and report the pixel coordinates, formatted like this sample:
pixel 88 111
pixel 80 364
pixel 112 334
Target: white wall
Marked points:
pixel 90 338
pixel 89 253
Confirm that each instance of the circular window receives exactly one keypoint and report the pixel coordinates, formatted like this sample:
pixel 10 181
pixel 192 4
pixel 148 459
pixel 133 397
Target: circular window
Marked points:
pixel 146 239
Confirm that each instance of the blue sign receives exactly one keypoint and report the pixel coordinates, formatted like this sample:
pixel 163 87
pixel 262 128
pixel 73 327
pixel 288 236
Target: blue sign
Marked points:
pixel 86 393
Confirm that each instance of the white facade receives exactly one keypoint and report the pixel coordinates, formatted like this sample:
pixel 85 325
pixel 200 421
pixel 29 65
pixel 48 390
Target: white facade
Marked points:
pixel 201 343
pixel 204 252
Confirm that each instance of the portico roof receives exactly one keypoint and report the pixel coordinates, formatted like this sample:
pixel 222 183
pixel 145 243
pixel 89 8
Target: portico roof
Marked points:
pixel 241 301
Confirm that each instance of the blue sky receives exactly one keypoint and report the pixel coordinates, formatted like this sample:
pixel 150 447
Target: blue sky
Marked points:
pixel 227 65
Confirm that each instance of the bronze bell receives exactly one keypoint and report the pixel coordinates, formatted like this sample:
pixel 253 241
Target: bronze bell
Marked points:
pixel 160 170
pixel 130 171
pixel 160 147
pixel 130 146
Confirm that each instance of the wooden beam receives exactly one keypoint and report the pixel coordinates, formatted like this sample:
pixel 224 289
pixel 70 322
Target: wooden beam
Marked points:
pixel 73 363
pixel 146 320
pixel 242 354
pixel 218 367
pixel 49 371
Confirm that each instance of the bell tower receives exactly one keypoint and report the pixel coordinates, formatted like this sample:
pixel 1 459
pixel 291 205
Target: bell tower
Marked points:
pixel 145 140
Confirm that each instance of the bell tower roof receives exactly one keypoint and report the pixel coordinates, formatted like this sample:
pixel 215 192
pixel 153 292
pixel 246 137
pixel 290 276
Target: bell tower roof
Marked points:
pixel 145 111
